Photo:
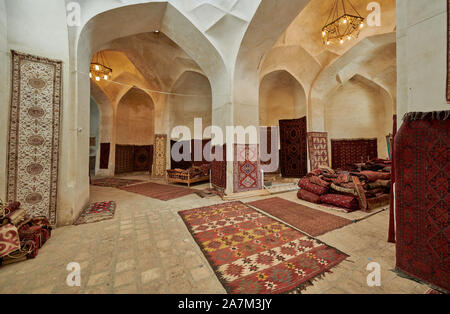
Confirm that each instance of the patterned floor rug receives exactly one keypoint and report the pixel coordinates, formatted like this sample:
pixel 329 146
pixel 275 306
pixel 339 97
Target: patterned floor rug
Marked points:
pixel 97 212
pixel 163 192
pixel 313 222
pixel 114 182
pixel 252 253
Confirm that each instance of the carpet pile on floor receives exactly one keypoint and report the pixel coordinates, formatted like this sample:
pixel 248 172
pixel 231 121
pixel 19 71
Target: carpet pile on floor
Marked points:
pixel 252 253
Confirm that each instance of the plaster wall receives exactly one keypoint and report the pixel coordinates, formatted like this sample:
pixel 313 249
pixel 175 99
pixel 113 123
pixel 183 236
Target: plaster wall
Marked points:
pixel 422 56
pixel 358 110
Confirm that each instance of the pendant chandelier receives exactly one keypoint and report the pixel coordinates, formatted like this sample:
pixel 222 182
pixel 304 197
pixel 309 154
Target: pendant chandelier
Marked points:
pixel 342 25
pixel 99 69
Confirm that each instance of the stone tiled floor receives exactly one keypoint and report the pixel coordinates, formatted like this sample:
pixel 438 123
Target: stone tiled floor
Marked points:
pixel 146 248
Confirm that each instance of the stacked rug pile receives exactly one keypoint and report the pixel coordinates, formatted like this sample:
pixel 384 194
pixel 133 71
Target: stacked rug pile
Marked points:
pixel 366 186
pixel 21 236
pixel 195 171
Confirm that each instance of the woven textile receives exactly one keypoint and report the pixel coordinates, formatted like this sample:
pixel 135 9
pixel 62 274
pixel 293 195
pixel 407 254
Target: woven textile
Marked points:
pixel 343 201
pixel 124 159
pixel 104 155
pixel 97 212
pixel 247 175
pixel 308 196
pixel 348 152
pixel 162 192
pixel 143 158
pixel 318 149
pixel 34 131
pixel 313 222
pixel 252 253
pixel 267 137
pixel 391 232
pixel 114 182
pixel 219 169
pixel 160 158
pixel 422 162
pixel 9 240
pixel 311 187
pixel 448 50
pixel 293 153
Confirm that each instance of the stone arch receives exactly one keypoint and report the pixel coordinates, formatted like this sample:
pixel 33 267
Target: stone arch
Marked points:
pixel 281 96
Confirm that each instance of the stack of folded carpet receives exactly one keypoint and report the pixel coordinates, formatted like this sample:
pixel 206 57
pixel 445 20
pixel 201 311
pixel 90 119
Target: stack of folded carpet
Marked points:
pixel 21 236
pixel 195 172
pixel 366 187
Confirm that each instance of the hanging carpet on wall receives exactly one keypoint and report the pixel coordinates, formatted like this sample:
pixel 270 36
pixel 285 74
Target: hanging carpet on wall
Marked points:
pixel 246 169
pixel 143 158
pixel 105 149
pixel 350 151
pixel 124 159
pixel 219 169
pixel 422 174
pixel 267 135
pixel 318 149
pixel 293 153
pixel 34 132
pixel 181 146
pixel 159 156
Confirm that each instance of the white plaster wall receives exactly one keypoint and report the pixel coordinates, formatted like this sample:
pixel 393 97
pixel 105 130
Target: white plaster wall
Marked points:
pixel 358 110
pixel 422 56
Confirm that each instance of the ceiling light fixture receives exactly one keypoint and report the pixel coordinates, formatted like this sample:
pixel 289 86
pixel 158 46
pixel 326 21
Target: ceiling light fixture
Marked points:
pixel 341 24
pixel 99 68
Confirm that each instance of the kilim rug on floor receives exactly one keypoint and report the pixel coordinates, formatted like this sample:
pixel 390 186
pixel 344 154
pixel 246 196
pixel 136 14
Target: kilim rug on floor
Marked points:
pixel 313 222
pixel 318 149
pixel 252 253
pixel 33 144
pixel 293 154
pixel 422 167
pixel 97 212
pixel 114 182
pixel 163 192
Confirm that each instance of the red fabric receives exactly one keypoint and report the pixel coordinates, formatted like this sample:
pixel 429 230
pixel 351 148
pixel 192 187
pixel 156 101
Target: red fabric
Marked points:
pixel 422 162
pixel 373 176
pixel 319 181
pixel 311 187
pixel 348 152
pixel 338 200
pixel 219 169
pixel 391 234
pixel 308 196
pixel 293 153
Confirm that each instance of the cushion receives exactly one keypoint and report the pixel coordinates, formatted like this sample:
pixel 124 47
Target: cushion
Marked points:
pixel 311 187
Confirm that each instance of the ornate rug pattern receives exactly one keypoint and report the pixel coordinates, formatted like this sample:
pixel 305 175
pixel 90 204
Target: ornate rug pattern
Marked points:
pixel 252 253
pixel 293 155
pixel 159 159
pixel 33 146
pixel 163 192
pixel 219 169
pixel 318 149
pixel 350 151
pixel 422 166
pixel 266 134
pixel 114 182
pixel 311 221
pixel 97 212
pixel 246 172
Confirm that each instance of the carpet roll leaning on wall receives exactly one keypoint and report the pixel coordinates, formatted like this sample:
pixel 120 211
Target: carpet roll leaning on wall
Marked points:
pixel 422 151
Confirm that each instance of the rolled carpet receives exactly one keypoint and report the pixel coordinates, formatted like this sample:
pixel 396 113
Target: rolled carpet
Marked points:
pixel 319 181
pixel 344 201
pixel 308 196
pixel 373 176
pixel 311 187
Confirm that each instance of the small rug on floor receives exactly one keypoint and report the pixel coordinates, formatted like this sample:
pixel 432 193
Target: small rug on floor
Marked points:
pixel 114 182
pixel 252 253
pixel 313 222
pixel 97 212
pixel 163 192
pixel 207 193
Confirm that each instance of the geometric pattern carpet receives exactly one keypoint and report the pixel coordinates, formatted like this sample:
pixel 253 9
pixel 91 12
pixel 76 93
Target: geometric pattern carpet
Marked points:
pixel 252 253
pixel 97 212
pixel 114 182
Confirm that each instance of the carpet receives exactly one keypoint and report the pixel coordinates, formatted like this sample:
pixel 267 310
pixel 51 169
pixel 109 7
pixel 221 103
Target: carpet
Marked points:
pixel 311 221
pixel 143 158
pixel 114 182
pixel 160 156
pixel 9 240
pixel 97 212
pixel 348 152
pixel 293 154
pixel 34 134
pixel 163 192
pixel 318 149
pixel 448 51
pixel 104 155
pixel 246 172
pixel 422 174
pixel 391 232
pixel 124 159
pixel 219 169
pixel 269 147
pixel 252 253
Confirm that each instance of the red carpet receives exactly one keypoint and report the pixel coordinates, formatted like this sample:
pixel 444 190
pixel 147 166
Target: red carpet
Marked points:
pixel 161 192
pixel 252 253
pixel 293 154
pixel 114 182
pixel 313 222
pixel 422 167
